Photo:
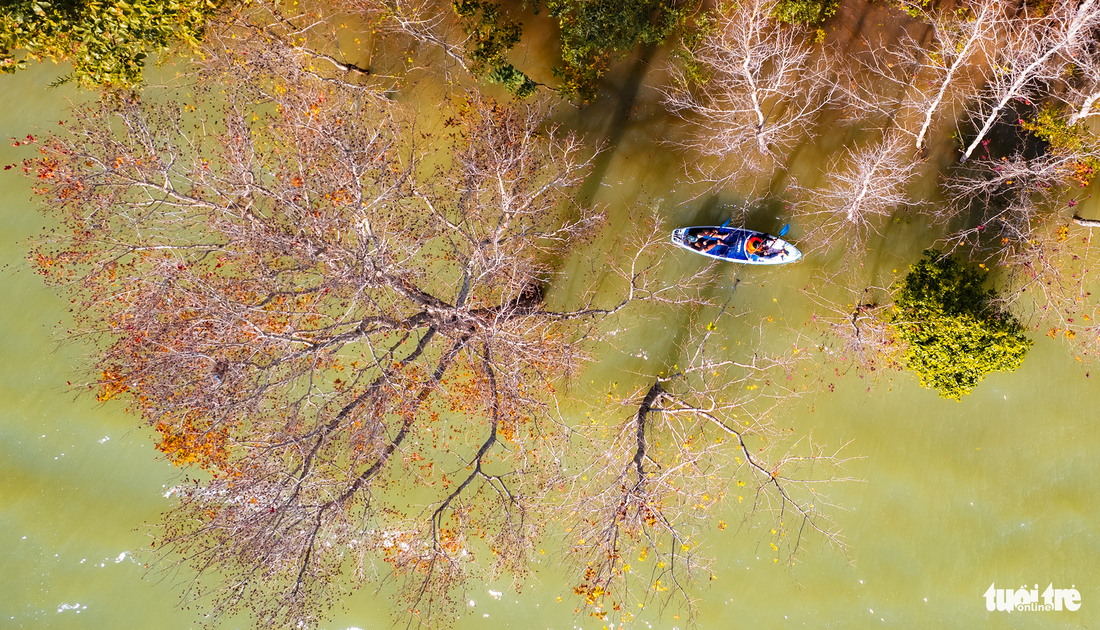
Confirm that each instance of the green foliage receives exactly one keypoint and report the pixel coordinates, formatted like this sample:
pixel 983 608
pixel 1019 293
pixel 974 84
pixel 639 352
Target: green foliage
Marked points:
pixel 515 81
pixel 491 36
pixel 1040 8
pixel 804 11
pixel 700 27
pixel 955 335
pixel 915 8
pixel 107 41
pixel 595 32
pixel 1050 124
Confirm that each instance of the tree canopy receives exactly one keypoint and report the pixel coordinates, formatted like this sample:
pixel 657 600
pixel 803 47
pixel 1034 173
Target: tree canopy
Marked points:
pixel 595 33
pixel 954 331
pixel 295 303
pixel 107 42
pixel 489 37
pixel 804 11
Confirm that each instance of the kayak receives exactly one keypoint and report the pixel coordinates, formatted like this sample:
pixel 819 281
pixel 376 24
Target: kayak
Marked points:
pixel 736 245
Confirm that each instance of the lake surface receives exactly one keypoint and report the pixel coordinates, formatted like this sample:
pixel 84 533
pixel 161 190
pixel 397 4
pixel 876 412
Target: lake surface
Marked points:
pixel 952 496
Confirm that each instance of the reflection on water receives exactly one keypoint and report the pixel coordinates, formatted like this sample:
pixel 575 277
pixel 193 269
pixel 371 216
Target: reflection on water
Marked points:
pixel 953 496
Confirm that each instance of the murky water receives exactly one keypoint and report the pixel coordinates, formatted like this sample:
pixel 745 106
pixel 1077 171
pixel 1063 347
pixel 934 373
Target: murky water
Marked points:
pixel 953 496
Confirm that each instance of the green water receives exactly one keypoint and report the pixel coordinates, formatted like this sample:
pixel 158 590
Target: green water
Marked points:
pixel 76 480
pixel 949 496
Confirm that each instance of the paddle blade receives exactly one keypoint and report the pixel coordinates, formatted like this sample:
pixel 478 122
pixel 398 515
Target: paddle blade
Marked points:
pixel 786 228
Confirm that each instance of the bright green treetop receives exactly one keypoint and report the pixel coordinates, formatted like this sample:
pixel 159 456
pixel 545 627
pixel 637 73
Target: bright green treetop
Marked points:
pixel 107 41
pixel 805 11
pixel 954 334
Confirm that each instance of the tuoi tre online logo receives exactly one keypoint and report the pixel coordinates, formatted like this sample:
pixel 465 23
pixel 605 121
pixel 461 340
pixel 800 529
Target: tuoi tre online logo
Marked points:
pixel 1022 599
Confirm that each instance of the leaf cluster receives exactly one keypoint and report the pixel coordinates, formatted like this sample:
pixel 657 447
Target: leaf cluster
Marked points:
pixel 955 335
pixel 698 29
pixel 1050 124
pixel 490 35
pixel 594 33
pixel 805 12
pixel 107 41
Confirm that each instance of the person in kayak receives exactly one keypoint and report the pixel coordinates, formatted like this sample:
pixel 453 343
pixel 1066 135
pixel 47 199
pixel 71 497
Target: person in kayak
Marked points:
pixel 763 247
pixel 705 239
pixel 702 245
pixel 755 245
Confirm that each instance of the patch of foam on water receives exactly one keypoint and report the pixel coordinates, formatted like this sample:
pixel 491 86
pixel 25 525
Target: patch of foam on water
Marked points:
pixel 77 607
pixel 105 438
pixel 495 594
pixel 121 557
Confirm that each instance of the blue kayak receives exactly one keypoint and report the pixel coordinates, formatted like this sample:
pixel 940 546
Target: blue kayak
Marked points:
pixel 736 245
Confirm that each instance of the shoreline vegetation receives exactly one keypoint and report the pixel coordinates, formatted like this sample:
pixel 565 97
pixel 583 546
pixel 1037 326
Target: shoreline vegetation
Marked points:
pixel 347 316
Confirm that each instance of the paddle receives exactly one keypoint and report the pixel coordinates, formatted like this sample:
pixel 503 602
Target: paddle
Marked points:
pixel 771 242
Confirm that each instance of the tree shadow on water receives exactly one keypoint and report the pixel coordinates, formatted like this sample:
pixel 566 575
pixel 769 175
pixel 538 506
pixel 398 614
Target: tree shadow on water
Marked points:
pixel 616 108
